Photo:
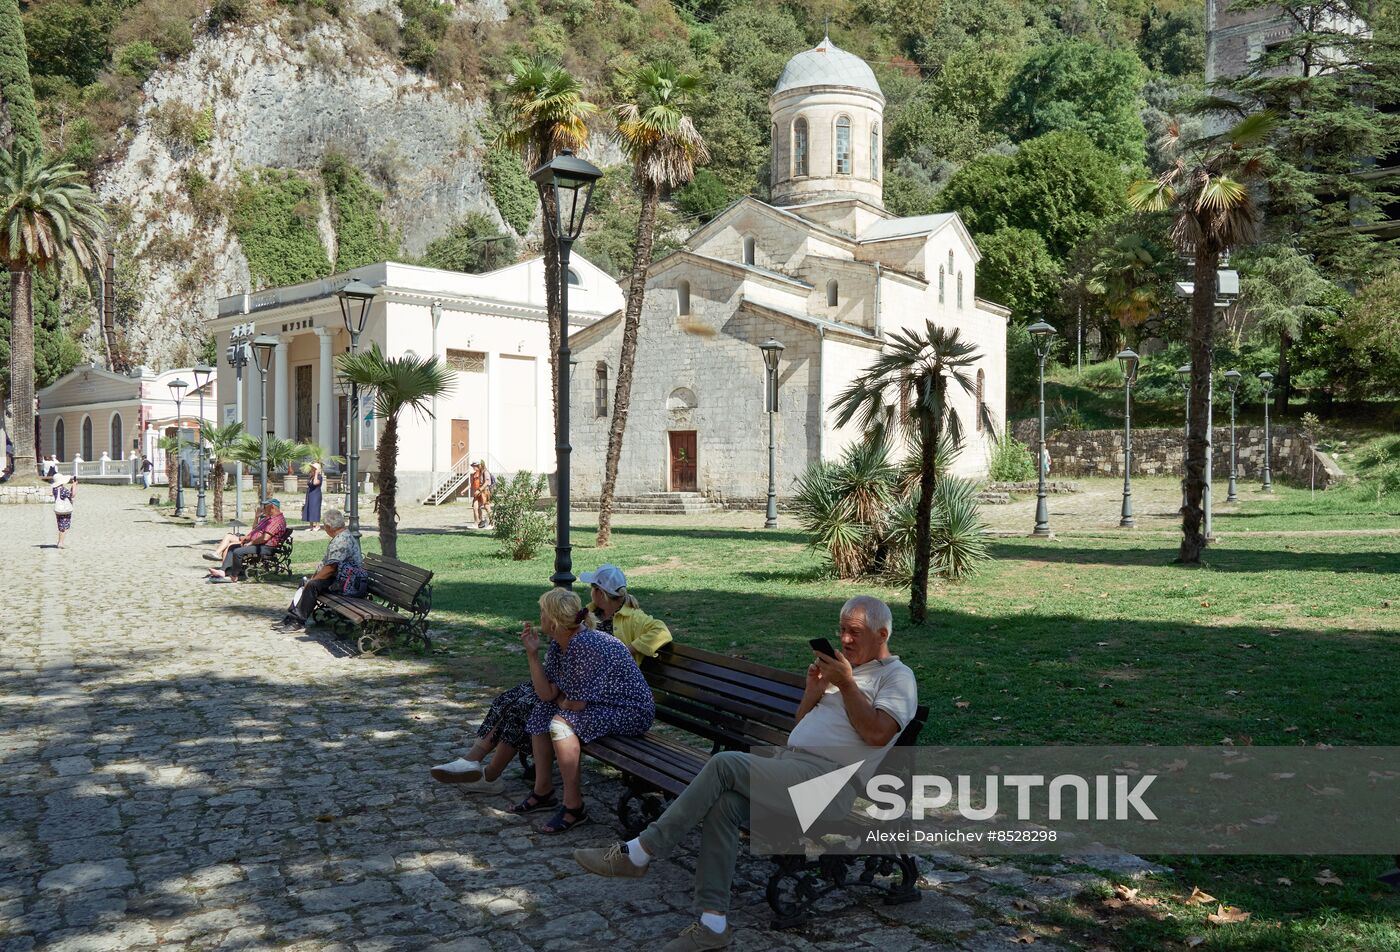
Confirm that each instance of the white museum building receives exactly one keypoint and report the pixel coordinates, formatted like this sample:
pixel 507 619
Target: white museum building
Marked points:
pixel 825 270
pixel 490 329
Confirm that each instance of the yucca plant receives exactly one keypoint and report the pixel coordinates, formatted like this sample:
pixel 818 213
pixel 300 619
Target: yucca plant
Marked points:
pixel 959 535
pixel 831 520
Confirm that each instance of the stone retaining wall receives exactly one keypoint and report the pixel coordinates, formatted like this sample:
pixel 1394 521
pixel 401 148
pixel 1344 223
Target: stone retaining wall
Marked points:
pixel 25 494
pixel 1158 452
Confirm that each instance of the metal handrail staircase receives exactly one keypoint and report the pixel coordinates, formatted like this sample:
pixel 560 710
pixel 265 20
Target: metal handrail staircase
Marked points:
pixel 452 486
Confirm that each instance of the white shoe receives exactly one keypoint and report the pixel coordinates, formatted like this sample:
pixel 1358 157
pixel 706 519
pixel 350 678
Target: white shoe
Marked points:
pixel 483 786
pixel 460 770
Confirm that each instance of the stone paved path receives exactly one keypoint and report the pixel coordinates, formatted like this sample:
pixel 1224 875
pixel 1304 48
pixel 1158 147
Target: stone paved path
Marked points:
pixel 177 776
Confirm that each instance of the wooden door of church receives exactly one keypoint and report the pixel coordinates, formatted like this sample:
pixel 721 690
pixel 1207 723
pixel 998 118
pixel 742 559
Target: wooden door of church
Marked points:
pixel 683 469
pixel 303 404
pixel 461 443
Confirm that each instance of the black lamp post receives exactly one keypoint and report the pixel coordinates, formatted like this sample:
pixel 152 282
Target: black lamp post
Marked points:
pixel 772 354
pixel 237 357
pixel 177 392
pixel 342 389
pixel 1128 360
pixel 356 299
pixel 263 348
pixel 1266 380
pixel 1232 380
pixel 1183 373
pixel 202 373
pixel 570 182
pixel 1041 334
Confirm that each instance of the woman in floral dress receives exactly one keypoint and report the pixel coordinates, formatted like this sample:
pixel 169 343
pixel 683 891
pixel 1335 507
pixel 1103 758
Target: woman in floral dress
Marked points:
pixel 589 687
pixel 64 488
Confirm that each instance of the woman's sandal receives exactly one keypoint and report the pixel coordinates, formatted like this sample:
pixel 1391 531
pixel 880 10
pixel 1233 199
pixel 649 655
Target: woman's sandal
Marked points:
pixel 559 822
pixel 534 803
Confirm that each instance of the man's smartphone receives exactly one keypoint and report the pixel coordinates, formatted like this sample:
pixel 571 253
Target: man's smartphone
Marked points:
pixel 822 646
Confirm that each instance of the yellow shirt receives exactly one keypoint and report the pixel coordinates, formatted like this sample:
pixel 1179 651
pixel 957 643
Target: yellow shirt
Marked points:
pixel 642 634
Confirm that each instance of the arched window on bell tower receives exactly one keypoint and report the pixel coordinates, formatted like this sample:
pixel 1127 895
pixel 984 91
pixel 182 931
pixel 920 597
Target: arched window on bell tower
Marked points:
pixel 799 147
pixel 843 145
pixel 875 152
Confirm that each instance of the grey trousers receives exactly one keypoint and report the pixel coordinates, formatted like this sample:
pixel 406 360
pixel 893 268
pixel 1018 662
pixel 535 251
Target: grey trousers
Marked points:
pixel 718 801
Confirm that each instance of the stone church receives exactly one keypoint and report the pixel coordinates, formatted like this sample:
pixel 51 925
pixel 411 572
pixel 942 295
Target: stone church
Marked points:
pixel 823 269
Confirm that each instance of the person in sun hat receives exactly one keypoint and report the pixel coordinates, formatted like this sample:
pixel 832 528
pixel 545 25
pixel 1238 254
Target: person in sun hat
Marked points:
pixel 503 729
pixel 265 537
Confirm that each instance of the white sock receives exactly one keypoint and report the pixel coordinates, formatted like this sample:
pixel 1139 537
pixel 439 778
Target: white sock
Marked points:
pixel 715 922
pixel 636 854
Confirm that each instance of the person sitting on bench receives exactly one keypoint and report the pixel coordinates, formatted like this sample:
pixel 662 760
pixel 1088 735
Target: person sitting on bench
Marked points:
pixel 344 549
pixel 232 539
pixel 588 687
pixel 503 729
pixel 264 538
pixel 861 698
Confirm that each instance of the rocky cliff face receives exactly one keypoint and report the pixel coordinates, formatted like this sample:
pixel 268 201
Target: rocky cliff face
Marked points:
pixel 255 98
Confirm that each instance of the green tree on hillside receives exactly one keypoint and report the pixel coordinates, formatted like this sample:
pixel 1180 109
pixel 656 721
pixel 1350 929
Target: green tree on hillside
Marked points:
pixel 475 245
pixel 1017 271
pixel 1286 295
pixel 1208 193
pixel 48 217
pixel 1078 86
pixel 545 112
pixel 659 136
pixel 19 122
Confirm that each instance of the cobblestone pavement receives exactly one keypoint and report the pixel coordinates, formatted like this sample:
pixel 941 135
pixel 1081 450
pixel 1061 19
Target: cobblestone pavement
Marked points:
pixel 178 776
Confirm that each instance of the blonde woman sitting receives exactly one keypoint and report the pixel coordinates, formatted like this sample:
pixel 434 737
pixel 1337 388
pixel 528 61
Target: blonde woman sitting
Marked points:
pixel 588 688
pixel 503 729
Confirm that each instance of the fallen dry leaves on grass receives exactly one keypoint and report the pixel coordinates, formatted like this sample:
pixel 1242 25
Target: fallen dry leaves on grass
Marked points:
pixel 1226 915
pixel 1325 877
pixel 1199 897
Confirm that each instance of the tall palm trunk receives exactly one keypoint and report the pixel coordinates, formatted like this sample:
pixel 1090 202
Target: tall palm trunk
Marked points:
pixel 923 520
pixel 386 501
pixel 172 469
pixel 631 327
pixel 552 303
pixel 218 490
pixel 1193 539
pixel 22 376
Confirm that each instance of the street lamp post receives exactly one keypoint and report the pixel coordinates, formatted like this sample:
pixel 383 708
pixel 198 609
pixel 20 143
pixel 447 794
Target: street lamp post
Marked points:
pixel 1128 360
pixel 177 392
pixel 263 348
pixel 1041 334
pixel 1232 380
pixel 356 299
pixel 570 181
pixel 237 357
pixel 202 373
pixel 1266 380
pixel 772 353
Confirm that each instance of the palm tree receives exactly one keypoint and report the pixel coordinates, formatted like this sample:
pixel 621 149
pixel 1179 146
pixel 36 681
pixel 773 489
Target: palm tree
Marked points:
pixel 224 444
pixel 545 112
pixel 316 453
pixel 915 370
pixel 171 445
pixel 48 217
pixel 1207 190
pixel 664 146
pixel 282 455
pixel 398 383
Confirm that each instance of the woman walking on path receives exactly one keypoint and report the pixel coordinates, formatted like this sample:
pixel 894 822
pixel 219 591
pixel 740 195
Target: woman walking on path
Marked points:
pixel 311 509
pixel 64 488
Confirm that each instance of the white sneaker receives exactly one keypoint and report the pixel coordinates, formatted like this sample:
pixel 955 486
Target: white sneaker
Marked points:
pixel 483 786
pixel 458 771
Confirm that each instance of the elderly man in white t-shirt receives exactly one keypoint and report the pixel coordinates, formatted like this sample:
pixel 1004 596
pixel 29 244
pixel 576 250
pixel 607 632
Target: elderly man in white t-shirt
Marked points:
pixel 861 698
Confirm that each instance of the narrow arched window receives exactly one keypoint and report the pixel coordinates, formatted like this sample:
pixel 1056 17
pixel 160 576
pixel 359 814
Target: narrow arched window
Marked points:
pixel 832 293
pixel 775 171
pixel 843 145
pixel 950 262
pixel 749 249
pixel 960 290
pixel 87 437
pixel 683 298
pixel 799 147
pixel 600 389
pixel 942 284
pixel 59 449
pixel 981 397
pixel 116 436
pixel 574 279
pixel 875 153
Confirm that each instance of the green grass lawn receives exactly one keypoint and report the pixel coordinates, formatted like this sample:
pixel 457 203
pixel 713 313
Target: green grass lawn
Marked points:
pixel 1092 638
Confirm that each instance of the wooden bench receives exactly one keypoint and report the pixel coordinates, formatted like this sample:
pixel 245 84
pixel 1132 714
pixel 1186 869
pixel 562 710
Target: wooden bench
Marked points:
pixel 732 704
pixel 276 562
pixel 399 599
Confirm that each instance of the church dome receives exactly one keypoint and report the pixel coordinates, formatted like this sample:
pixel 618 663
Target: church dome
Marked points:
pixel 827 65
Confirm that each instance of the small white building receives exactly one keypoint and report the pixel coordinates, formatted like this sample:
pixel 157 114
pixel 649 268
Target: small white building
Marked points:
pixel 490 329
pixel 91 413
pixel 825 270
